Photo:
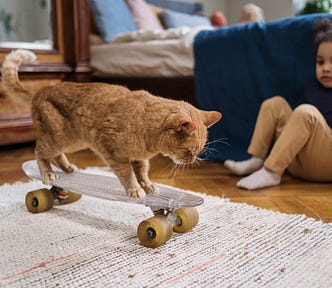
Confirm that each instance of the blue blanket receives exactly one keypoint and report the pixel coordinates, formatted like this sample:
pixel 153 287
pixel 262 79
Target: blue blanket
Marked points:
pixel 238 67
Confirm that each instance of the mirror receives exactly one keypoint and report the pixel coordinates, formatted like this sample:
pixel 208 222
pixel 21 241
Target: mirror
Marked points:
pixel 26 24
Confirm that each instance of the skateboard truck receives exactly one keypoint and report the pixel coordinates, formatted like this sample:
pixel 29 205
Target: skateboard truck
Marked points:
pixel 59 193
pixel 169 213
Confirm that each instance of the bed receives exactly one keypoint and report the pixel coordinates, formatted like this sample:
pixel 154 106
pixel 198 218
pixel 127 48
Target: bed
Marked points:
pixel 148 53
pixel 151 52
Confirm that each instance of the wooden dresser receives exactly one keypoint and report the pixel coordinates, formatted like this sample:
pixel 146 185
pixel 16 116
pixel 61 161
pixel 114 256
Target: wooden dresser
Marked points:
pixel 67 61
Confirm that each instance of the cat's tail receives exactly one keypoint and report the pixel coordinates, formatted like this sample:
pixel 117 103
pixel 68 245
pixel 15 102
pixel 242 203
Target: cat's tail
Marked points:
pixel 9 74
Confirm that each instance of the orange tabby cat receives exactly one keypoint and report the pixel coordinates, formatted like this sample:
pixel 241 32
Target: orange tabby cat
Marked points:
pixel 126 128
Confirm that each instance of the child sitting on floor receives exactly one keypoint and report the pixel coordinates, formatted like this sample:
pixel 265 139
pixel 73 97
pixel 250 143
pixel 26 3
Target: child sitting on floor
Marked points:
pixel 303 137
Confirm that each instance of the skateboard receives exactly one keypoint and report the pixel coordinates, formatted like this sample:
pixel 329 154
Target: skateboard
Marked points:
pixel 174 210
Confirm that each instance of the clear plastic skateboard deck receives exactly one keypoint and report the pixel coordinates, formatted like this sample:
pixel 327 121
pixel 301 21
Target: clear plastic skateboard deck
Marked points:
pixel 110 188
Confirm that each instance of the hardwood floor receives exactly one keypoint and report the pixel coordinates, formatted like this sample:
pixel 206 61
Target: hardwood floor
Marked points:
pixel 294 196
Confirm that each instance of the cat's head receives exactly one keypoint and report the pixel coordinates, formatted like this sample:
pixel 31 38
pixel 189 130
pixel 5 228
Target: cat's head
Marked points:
pixel 185 134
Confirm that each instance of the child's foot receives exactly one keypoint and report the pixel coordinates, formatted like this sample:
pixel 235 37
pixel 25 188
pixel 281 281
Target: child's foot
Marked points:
pixel 259 179
pixel 244 167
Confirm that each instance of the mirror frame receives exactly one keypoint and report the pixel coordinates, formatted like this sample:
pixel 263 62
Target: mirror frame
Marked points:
pixel 70 55
pixel 54 53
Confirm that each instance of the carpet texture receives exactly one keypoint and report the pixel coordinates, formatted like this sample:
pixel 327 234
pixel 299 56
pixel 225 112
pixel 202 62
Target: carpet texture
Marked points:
pixel 93 243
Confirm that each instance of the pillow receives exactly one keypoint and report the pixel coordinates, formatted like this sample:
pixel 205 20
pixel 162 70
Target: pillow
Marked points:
pixel 143 15
pixel 112 17
pixel 173 19
pixel 184 7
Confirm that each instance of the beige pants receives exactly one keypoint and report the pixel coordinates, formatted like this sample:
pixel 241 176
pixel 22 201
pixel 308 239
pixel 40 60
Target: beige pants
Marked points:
pixel 302 140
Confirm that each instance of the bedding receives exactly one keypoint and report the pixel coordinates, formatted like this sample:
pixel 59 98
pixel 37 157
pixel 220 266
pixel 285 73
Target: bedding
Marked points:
pixel 238 67
pixel 172 19
pixel 146 53
pixel 138 45
pixel 112 17
pixel 179 6
pixel 143 15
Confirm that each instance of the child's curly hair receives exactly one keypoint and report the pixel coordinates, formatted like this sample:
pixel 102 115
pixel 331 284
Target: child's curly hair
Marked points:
pixel 323 31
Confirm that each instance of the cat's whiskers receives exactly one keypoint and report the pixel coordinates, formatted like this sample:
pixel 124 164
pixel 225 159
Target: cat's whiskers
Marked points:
pixel 219 140
pixel 178 167
pixel 173 171
pixel 182 167
pixel 208 153
pixel 170 164
pixel 172 167
pixel 199 159
pixel 210 150
pixel 196 162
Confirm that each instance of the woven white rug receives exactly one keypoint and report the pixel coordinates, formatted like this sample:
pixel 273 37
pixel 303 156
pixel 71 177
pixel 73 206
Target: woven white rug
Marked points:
pixel 93 243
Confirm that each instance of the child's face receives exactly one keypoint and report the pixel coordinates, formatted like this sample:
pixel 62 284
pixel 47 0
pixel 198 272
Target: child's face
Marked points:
pixel 324 64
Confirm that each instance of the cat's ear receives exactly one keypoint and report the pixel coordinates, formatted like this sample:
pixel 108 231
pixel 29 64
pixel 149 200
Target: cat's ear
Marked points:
pixel 186 125
pixel 211 117
pixel 181 123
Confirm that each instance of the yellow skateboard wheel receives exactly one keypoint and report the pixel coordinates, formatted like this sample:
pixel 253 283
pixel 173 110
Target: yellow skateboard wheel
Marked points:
pixel 154 231
pixel 188 217
pixel 38 201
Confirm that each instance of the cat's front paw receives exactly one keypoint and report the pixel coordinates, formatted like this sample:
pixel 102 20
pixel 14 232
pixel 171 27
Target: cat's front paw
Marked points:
pixel 48 177
pixel 70 168
pixel 149 188
pixel 136 192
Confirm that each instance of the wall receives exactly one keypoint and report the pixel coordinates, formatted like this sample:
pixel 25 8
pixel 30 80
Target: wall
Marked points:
pixel 211 5
pixel 273 9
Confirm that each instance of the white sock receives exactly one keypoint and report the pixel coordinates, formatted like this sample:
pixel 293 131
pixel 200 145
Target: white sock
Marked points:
pixel 244 167
pixel 259 179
